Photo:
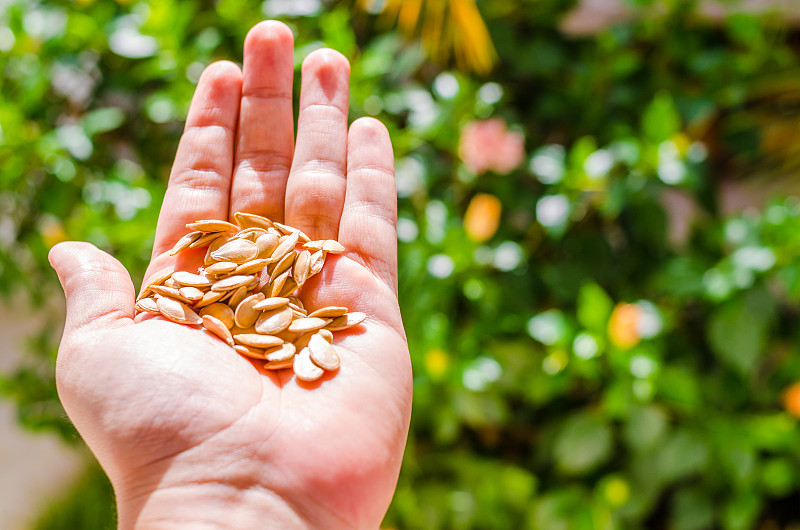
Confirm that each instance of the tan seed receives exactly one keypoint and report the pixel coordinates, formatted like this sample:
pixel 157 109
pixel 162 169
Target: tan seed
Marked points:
pixel 288 287
pixel 275 321
pixel 170 292
pixel 253 353
pixel 184 242
pixel 213 247
pixel 251 234
pixel 276 285
pixel 286 245
pixel 346 321
pixel 236 250
pixel 288 230
pixel 302 325
pixel 221 312
pixel 267 244
pixel 210 297
pixel 332 246
pixel 325 334
pixel 329 312
pixel 302 266
pixel 257 340
pixel 148 305
pixel 212 225
pixel 252 266
pixel 271 303
pixel 205 240
pixel 218 328
pixel 170 282
pixel 284 264
pixel 317 261
pixel 193 294
pixel 236 330
pixel 297 303
pixel 157 279
pixel 322 353
pixel 192 280
pixel 246 220
pixel 279 365
pixel 304 368
pixel 280 353
pixel 178 311
pixel 220 268
pixel 231 282
pixel 237 296
pixel 246 315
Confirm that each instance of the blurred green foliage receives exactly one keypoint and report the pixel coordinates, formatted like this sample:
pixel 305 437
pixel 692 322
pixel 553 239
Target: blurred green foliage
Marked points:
pixel 616 355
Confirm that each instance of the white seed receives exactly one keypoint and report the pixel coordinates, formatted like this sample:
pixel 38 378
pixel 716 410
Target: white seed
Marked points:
pixel 271 303
pixel 212 225
pixel 302 325
pixel 246 220
pixel 220 311
pixel 322 353
pixel 246 315
pixel 236 250
pixel 184 242
pixel 328 312
pixel 257 340
pixel 253 353
pixel 275 321
pixel 148 305
pixel 193 294
pixel 178 311
pixel 346 321
pixel 231 282
pixel 192 280
pixel 218 328
pixel 304 368
pixel 280 353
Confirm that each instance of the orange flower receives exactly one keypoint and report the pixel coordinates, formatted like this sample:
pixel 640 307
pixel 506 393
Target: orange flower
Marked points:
pixel 489 145
pixel 791 399
pixel 623 326
pixel 482 217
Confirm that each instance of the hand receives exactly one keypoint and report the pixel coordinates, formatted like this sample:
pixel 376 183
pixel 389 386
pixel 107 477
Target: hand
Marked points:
pixel 190 433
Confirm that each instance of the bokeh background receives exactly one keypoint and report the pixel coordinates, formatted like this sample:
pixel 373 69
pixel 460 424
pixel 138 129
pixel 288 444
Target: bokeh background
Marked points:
pixel 599 241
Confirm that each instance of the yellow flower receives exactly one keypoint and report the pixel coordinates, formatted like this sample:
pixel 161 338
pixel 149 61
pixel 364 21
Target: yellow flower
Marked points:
pixel 436 363
pixel 623 326
pixel 482 217
pixel 791 399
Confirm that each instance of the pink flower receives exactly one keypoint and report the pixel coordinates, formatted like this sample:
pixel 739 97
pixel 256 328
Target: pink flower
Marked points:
pixel 489 145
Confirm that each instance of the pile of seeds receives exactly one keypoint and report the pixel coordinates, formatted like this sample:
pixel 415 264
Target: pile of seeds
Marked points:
pixel 246 293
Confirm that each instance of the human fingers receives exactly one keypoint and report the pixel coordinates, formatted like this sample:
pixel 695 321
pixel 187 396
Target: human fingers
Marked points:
pixel 199 184
pixel 316 187
pixel 368 225
pixel 266 125
pixel 97 287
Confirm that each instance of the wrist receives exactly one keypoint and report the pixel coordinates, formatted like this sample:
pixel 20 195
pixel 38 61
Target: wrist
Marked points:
pixel 207 505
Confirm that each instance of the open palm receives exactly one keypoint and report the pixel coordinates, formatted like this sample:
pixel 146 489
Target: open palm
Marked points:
pixel 191 433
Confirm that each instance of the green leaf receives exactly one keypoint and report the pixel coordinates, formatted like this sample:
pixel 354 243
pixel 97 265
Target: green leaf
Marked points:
pixel 594 307
pixel 661 119
pixel 583 443
pixel 738 330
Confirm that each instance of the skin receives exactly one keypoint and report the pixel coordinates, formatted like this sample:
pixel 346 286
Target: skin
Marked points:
pixel 192 434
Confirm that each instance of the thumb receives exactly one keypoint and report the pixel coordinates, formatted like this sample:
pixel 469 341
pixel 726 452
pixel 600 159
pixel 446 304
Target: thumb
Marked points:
pixel 99 290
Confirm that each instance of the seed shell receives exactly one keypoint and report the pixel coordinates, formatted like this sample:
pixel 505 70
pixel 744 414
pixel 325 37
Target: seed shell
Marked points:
pixel 302 325
pixel 257 340
pixel 193 294
pixel 281 353
pixel 192 280
pixel 177 311
pixel 221 312
pixel 184 242
pixel 331 311
pixel 212 225
pixel 246 315
pixel 231 282
pixel 210 297
pixel 156 279
pixel 253 353
pixel 218 328
pixel 246 220
pixel 346 321
pixel 322 353
pixel 148 305
pixel 279 365
pixel 275 321
pixel 236 250
pixel 267 244
pixel 304 368
pixel 271 303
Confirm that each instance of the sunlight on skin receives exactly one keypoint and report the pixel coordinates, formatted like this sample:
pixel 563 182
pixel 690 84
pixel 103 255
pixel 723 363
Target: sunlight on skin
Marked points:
pixel 192 434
